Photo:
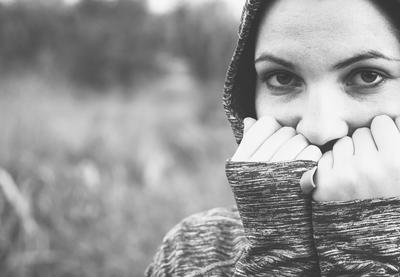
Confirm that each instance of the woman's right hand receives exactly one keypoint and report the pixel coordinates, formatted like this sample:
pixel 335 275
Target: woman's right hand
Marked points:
pixel 364 166
pixel 265 140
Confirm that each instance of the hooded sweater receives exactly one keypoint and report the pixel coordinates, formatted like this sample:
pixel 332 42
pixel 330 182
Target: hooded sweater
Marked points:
pixel 276 230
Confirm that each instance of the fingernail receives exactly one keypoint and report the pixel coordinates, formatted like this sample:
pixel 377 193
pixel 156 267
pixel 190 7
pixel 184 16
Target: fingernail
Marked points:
pixel 307 181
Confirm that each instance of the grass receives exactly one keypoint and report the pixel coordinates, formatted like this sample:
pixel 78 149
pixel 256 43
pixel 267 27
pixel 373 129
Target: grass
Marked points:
pixel 105 176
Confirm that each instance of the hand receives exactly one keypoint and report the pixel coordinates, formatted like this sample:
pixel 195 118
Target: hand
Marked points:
pixel 266 140
pixel 365 166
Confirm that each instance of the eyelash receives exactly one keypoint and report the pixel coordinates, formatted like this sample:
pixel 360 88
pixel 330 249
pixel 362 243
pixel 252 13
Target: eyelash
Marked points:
pixel 280 89
pixel 383 75
pixel 288 89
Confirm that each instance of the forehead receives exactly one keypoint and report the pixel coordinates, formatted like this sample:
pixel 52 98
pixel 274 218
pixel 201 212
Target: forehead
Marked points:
pixel 314 24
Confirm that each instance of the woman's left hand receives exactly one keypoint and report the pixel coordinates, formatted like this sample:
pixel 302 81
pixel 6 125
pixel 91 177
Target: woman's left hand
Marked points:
pixel 365 166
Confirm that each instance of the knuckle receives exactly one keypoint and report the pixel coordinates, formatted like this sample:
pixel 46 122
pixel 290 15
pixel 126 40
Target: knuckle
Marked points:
pixel 288 130
pixel 301 139
pixel 314 148
pixel 325 157
pixel 383 117
pixel 361 131
pixel 344 140
pixel 380 120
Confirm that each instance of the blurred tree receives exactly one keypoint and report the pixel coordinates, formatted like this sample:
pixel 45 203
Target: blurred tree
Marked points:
pixel 102 43
pixel 113 44
pixel 204 35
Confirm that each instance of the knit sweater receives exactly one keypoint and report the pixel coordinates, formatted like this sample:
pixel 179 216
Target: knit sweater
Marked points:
pixel 275 230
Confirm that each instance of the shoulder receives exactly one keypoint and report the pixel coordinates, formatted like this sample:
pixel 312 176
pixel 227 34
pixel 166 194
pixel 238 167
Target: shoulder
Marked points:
pixel 220 218
pixel 199 241
pixel 217 227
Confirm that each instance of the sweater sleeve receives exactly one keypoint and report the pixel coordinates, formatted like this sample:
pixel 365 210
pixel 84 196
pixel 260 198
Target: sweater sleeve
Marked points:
pixel 276 217
pixel 358 238
pixel 204 244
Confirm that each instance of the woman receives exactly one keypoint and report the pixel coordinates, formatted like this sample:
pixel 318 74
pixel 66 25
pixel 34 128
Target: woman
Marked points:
pixel 312 94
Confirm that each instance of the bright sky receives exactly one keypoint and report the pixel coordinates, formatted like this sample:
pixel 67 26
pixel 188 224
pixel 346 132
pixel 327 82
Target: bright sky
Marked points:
pixel 161 6
pixel 71 1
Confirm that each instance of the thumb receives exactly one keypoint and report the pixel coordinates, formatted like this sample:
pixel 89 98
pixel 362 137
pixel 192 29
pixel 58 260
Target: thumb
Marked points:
pixel 248 122
pixel 307 181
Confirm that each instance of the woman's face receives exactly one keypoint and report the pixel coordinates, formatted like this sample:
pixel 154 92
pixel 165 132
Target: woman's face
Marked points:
pixel 326 67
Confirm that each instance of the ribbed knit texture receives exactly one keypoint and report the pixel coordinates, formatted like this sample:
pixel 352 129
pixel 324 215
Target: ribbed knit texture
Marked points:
pixel 358 238
pixel 276 217
pixel 272 237
pixel 279 232
pixel 205 244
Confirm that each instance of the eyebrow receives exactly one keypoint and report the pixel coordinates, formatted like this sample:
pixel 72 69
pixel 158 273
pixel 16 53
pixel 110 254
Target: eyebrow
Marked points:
pixel 371 54
pixel 271 58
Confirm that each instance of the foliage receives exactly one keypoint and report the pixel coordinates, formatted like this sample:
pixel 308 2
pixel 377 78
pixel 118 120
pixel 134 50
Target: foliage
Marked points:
pixel 104 43
pixel 204 37
pixel 100 178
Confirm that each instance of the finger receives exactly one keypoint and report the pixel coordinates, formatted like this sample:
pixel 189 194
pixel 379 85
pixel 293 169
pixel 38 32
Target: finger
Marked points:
pixel 289 150
pixel 272 144
pixel 326 161
pixel 397 121
pixel 307 183
pixel 248 122
pixel 310 153
pixel 363 141
pixel 342 150
pixel 324 166
pixel 261 130
pixel 385 133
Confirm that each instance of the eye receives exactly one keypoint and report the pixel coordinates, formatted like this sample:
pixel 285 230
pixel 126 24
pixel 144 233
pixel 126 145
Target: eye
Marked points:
pixel 282 80
pixel 366 78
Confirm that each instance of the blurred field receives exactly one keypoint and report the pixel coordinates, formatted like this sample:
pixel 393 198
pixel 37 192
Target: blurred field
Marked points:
pixel 112 131
pixel 107 176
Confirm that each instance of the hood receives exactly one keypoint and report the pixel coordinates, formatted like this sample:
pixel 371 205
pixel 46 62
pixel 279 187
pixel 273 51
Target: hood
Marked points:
pixel 240 82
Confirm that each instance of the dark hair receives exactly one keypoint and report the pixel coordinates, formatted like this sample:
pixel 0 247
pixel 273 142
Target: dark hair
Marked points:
pixel 390 8
pixel 244 102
